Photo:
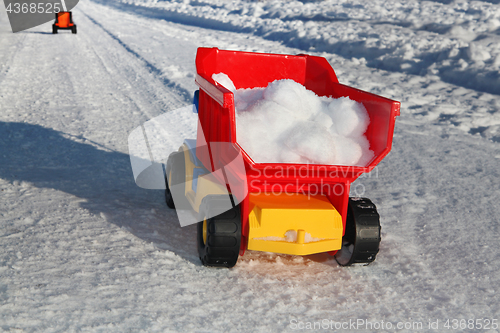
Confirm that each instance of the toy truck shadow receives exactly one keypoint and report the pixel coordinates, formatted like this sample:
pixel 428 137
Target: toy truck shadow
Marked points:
pixel 99 179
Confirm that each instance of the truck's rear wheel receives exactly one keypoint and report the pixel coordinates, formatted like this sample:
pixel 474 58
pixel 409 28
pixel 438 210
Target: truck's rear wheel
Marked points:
pixel 219 237
pixel 175 175
pixel 361 240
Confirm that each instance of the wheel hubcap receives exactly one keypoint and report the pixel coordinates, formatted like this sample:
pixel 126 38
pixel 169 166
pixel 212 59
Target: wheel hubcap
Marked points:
pixel 204 231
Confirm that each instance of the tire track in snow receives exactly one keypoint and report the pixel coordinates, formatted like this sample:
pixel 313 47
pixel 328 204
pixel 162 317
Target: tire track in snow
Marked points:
pixel 182 92
pixel 6 61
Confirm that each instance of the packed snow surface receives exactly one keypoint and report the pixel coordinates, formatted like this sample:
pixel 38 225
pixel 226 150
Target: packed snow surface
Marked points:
pixel 286 123
pixel 84 249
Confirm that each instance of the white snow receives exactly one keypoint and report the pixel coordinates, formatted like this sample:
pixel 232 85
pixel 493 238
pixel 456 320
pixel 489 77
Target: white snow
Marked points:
pixel 286 123
pixel 85 249
pixel 225 81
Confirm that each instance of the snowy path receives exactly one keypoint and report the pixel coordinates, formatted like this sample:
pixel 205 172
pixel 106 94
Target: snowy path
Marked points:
pixel 84 249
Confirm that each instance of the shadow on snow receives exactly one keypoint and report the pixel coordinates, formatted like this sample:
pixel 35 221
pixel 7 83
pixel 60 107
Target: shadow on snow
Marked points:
pixel 50 159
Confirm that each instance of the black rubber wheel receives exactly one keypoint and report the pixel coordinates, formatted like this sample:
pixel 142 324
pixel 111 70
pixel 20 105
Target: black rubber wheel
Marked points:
pixel 168 195
pixel 176 172
pixel 54 29
pixel 219 237
pixel 361 240
pixel 73 29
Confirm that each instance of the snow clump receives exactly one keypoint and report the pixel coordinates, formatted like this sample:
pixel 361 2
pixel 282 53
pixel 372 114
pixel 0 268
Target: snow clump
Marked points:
pixel 286 123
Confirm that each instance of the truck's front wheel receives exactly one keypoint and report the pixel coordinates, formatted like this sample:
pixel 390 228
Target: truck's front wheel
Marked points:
pixel 219 236
pixel 176 176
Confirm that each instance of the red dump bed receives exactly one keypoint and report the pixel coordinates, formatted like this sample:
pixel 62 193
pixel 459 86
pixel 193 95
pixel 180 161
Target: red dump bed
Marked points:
pixel 249 70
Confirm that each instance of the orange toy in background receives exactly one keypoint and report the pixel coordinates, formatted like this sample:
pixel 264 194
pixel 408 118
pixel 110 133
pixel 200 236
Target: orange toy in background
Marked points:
pixel 64 20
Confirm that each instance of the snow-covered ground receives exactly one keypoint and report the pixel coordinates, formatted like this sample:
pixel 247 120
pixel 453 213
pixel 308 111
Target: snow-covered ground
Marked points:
pixel 82 248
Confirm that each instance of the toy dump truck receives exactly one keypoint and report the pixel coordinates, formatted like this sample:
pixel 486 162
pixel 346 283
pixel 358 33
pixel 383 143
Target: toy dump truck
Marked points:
pixel 324 220
pixel 64 20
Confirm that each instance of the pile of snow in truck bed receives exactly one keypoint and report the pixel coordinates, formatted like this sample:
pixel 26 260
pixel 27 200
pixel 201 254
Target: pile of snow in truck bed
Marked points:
pixel 286 123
